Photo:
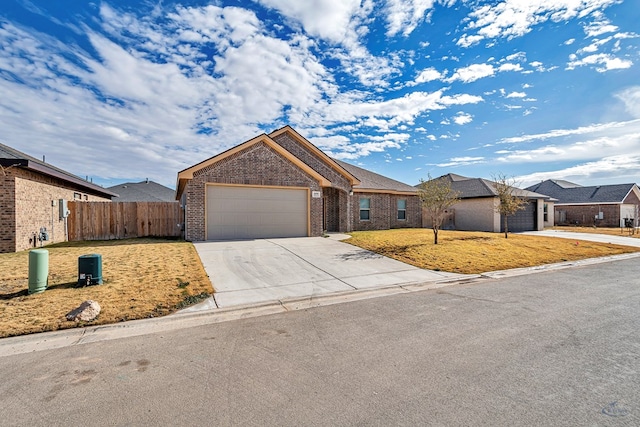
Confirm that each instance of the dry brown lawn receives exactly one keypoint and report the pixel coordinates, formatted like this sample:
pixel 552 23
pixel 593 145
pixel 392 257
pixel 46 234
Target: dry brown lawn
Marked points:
pixel 599 230
pixel 142 278
pixel 478 252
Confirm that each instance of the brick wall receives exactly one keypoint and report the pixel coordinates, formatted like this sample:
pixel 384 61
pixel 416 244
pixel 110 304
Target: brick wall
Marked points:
pixel 383 212
pixel 7 213
pixel 312 160
pixel 585 215
pixel 258 164
pixel 331 198
pixel 414 212
pixel 33 194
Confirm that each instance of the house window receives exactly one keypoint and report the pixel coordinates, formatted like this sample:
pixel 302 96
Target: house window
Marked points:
pixel 365 206
pixel 402 209
pixel 546 212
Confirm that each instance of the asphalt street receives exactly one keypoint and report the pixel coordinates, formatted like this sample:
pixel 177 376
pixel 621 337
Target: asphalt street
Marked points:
pixel 556 348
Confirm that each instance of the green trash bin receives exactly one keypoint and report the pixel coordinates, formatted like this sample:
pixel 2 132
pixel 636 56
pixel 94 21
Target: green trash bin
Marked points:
pixel 90 270
pixel 38 270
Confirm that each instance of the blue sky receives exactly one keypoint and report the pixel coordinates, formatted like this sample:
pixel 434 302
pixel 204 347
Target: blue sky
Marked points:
pixel 127 90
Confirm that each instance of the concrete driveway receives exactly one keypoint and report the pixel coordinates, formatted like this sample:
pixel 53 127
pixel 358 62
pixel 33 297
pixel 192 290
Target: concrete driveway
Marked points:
pixel 266 270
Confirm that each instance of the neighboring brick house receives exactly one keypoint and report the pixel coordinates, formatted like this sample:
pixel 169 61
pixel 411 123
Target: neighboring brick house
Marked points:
pixel 30 194
pixel 598 205
pixel 281 185
pixel 477 208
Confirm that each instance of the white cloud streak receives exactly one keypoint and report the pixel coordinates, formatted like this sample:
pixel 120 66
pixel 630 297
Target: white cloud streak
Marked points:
pixel 515 18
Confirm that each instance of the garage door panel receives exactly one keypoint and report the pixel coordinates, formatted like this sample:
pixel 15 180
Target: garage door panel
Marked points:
pixel 251 212
pixel 523 220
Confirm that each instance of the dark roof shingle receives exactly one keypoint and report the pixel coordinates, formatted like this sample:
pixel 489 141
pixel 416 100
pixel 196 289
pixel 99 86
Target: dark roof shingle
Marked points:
pixel 479 187
pixel 615 193
pixel 145 191
pixel 373 181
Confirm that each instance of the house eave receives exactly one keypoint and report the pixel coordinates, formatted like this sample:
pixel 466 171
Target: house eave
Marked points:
pixel 186 175
pixel 328 160
pixel 54 173
pixel 382 191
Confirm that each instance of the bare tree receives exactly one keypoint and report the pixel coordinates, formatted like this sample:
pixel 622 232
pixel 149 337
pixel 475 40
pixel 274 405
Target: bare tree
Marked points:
pixel 437 196
pixel 510 199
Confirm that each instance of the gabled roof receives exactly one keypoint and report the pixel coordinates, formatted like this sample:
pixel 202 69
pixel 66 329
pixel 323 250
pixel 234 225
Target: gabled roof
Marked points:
pixel 185 175
pixel 318 152
pixel 470 188
pixel 12 157
pixel 565 184
pixel 552 186
pixel 372 182
pixel 615 193
pixel 145 191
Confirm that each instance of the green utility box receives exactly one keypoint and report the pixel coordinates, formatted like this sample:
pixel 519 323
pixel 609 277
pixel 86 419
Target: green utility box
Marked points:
pixel 90 270
pixel 38 270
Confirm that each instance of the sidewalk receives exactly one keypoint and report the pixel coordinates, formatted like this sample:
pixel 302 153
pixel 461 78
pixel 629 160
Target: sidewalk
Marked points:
pixel 600 238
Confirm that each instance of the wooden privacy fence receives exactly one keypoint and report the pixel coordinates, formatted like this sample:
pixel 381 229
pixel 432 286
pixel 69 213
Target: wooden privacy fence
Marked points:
pixel 121 220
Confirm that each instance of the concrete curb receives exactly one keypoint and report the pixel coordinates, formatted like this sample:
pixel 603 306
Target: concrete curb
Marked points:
pixel 180 320
pixel 190 318
pixel 499 274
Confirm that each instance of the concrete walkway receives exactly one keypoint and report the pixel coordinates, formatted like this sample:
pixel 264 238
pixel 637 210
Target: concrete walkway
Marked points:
pixel 258 271
pixel 590 237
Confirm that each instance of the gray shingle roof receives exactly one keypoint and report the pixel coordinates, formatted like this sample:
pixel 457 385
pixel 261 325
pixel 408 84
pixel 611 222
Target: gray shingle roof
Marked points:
pixel 10 157
pixel 470 188
pixel 373 181
pixel 145 191
pixel 615 193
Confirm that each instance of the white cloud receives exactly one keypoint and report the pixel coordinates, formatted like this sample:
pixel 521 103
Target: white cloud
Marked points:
pixel 462 118
pixel 516 95
pixel 472 73
pixel 514 18
pixel 600 26
pixel 461 161
pixel 405 15
pixel 328 19
pixel 583 130
pixel 581 150
pixel 382 115
pixel 615 169
pixel 631 99
pixel 343 148
pixel 605 61
pixel 427 75
pixel 569 42
pixel 341 23
pixel 467 40
pixel 518 56
pixel 510 67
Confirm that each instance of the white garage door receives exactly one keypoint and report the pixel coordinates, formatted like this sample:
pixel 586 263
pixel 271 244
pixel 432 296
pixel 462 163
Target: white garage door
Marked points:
pixel 256 212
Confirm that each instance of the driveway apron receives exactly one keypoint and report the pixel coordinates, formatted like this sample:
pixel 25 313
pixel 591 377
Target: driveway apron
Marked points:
pixel 248 272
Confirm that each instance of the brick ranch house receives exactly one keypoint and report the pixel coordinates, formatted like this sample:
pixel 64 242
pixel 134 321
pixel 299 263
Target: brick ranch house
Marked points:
pixel 30 194
pixel 598 205
pixel 281 185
